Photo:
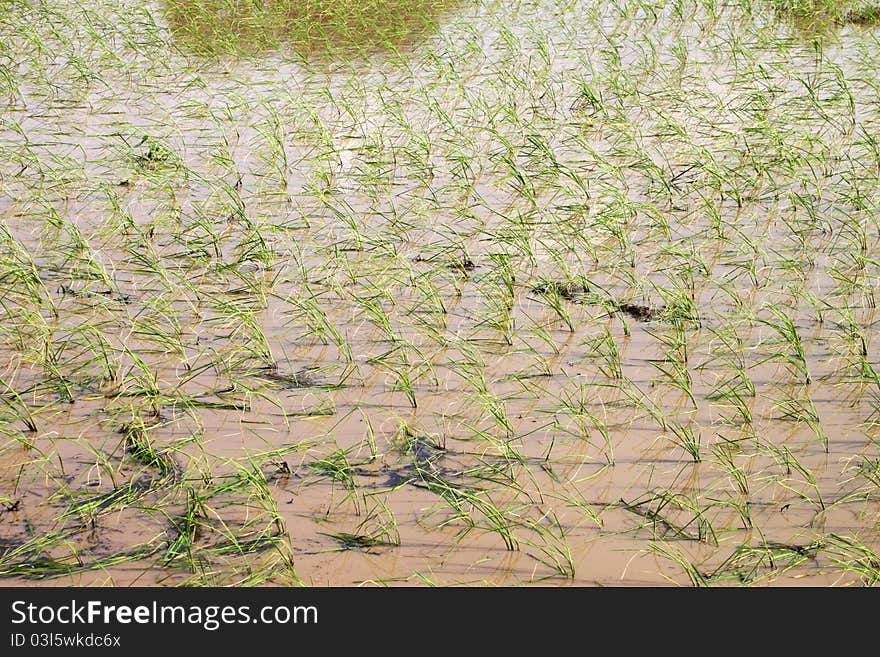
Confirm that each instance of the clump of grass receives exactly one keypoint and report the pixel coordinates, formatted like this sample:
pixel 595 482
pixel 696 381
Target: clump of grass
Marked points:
pixel 839 11
pixel 309 27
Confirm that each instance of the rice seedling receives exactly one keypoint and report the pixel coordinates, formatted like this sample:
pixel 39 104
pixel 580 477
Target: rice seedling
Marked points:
pixel 530 283
pixel 789 336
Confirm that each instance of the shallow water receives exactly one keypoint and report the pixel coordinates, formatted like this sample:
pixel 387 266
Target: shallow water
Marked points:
pixel 423 312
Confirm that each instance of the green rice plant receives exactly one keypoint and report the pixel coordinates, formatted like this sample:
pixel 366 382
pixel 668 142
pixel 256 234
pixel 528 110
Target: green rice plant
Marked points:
pixel 140 446
pixel 604 347
pixel 187 528
pixel 804 411
pixel 795 355
pixel 20 278
pixel 379 525
pixel 14 403
pixel 400 370
pixel 752 563
pixel 498 313
pixel 307 308
pixel 635 396
pixel 725 454
pixel 677 375
pixel 679 557
pixel 854 556
pixel 465 501
pixel 551 544
pixel 554 300
pixel 784 457
pixel 337 467
pixel 244 330
pixel 575 405
pixel 272 133
pixel 660 509
pixel 688 438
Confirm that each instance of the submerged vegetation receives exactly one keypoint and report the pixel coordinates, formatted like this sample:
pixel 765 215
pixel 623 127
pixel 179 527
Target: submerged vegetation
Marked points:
pixel 449 292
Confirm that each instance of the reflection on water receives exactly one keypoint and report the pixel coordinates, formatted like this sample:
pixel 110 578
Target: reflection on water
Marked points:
pixel 338 27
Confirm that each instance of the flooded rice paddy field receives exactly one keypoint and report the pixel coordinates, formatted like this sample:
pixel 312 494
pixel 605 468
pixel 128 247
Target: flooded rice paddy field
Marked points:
pixel 547 291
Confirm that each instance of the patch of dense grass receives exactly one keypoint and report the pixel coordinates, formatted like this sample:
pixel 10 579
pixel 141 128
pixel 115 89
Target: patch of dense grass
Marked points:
pixel 840 11
pixel 307 26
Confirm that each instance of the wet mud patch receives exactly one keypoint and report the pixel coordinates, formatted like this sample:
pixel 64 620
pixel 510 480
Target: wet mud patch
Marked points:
pixel 581 293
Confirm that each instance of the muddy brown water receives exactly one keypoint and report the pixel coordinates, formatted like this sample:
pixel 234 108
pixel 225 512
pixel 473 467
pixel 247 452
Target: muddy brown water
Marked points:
pixel 361 216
